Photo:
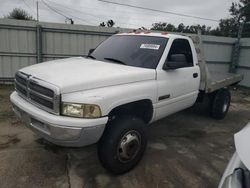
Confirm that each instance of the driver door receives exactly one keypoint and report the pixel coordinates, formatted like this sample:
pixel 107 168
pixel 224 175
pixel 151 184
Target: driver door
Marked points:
pixel 177 87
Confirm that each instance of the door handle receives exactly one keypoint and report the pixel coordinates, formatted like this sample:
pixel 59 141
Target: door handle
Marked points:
pixel 164 97
pixel 195 75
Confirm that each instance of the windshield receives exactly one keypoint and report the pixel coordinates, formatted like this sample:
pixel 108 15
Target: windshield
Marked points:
pixel 137 51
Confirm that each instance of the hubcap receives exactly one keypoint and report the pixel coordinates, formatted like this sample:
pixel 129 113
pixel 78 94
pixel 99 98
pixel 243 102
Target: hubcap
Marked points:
pixel 129 146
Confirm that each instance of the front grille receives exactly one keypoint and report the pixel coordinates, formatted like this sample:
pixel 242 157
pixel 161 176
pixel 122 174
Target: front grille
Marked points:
pixel 21 80
pixel 21 89
pixel 38 92
pixel 40 89
pixel 40 100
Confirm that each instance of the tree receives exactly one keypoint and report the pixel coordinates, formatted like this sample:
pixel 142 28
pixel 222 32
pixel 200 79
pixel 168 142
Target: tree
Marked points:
pixel 163 26
pixel 228 27
pixel 170 27
pixel 240 13
pixel 19 14
pixel 181 27
pixel 109 23
pixel 102 24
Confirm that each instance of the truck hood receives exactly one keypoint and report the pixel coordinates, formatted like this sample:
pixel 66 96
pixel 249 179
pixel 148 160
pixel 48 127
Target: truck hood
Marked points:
pixel 78 73
pixel 242 146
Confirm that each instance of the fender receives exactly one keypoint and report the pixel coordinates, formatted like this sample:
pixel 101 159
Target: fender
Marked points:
pixel 111 97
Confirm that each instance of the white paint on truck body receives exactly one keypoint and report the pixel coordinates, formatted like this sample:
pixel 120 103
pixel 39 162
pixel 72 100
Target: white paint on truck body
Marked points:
pixel 109 85
pixel 80 74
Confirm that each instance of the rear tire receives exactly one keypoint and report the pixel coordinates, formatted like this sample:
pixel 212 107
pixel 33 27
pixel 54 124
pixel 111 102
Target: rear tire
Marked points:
pixel 220 103
pixel 122 144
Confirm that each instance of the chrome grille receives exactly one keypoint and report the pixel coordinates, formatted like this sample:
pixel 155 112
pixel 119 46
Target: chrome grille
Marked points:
pixel 38 92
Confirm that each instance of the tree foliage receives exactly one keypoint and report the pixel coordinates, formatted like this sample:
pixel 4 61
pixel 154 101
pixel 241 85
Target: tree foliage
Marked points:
pixel 241 11
pixel 109 23
pixel 163 26
pixel 19 14
pixel 102 24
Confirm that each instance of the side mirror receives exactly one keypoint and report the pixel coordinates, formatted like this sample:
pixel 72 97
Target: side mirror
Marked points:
pixel 90 51
pixel 175 61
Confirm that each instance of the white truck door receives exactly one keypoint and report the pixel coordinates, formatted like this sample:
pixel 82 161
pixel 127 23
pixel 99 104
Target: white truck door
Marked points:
pixel 178 80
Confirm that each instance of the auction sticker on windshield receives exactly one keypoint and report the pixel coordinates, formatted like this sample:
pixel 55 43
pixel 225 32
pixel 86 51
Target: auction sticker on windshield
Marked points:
pixel 150 46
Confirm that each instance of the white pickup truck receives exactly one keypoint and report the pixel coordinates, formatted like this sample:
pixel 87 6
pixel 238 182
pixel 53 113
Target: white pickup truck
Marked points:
pixel 129 81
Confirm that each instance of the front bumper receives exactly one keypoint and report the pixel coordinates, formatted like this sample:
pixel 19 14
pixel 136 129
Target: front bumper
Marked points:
pixel 61 130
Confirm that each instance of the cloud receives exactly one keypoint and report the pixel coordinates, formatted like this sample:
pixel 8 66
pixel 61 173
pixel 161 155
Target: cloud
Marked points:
pixel 92 12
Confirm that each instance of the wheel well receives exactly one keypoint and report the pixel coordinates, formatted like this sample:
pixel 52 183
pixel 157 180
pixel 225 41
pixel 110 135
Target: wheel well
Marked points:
pixel 142 109
pixel 203 96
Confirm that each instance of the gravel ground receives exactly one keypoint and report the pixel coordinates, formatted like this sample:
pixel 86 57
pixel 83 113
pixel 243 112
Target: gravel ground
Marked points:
pixel 188 149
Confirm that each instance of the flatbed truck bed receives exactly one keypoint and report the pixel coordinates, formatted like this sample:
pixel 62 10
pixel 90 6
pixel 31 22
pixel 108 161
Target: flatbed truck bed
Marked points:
pixel 211 80
pixel 220 80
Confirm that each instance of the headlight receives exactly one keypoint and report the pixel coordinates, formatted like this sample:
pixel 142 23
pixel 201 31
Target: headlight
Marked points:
pixel 81 110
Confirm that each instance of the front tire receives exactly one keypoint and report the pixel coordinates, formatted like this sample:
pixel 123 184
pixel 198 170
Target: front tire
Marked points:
pixel 220 104
pixel 122 144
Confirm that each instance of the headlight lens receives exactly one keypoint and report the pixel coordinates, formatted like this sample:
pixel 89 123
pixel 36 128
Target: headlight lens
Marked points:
pixel 81 110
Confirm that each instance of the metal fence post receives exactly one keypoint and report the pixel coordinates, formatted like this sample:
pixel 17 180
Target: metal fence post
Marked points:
pixel 39 43
pixel 236 51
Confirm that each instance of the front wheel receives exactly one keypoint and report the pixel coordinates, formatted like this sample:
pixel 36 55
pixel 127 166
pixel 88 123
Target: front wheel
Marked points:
pixel 122 144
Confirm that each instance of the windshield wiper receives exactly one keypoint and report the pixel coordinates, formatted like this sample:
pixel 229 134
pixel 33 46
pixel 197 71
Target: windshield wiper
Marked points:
pixel 90 56
pixel 115 60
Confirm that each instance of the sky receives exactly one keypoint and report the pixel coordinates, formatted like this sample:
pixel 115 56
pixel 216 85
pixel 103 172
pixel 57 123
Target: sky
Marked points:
pixel 93 12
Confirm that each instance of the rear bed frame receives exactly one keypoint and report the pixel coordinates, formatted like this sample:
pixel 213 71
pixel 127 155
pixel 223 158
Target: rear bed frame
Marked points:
pixel 211 80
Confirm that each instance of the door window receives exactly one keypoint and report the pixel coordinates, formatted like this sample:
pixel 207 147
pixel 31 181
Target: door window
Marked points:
pixel 181 48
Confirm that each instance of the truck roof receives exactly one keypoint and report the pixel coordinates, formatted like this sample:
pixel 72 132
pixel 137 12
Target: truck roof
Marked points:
pixel 154 34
